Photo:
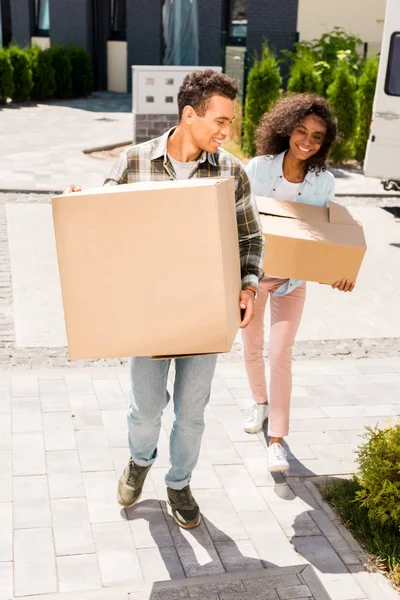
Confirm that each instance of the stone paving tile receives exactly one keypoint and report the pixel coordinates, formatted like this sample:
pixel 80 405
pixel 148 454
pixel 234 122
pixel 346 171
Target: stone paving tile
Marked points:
pixel 28 454
pixel 71 527
pixel 5 478
pixel 101 490
pixel 6 580
pixel 64 474
pixel 148 525
pixel 160 563
pixel 331 570
pixel 6 528
pixel 34 571
pixel 239 555
pixel 78 573
pixel 58 432
pixel 118 560
pixel 240 488
pixel 31 504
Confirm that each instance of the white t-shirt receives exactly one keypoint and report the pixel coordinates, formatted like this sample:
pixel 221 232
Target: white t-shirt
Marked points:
pixel 287 190
pixel 183 170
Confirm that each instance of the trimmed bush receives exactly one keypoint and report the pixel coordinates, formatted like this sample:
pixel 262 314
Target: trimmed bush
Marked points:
pixel 263 90
pixel 22 74
pixel 304 77
pixel 82 75
pixel 379 475
pixel 341 95
pixel 44 82
pixel 6 76
pixel 62 71
pixel 365 100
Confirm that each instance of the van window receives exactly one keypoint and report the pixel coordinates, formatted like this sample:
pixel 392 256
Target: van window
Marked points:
pixel 392 85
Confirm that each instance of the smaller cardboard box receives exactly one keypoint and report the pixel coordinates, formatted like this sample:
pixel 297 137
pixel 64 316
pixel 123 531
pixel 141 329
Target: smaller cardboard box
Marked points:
pixel 312 243
pixel 149 269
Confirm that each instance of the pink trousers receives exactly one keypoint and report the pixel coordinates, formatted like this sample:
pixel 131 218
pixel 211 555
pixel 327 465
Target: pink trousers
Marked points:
pixel 286 312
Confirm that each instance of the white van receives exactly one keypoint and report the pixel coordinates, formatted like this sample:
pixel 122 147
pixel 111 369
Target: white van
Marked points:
pixel 382 158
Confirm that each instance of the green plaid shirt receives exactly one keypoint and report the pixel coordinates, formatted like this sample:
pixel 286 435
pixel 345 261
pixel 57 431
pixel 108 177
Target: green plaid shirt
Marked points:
pixel 150 162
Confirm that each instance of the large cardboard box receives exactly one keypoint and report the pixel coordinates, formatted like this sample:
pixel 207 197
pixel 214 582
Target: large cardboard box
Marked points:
pixel 312 243
pixel 149 269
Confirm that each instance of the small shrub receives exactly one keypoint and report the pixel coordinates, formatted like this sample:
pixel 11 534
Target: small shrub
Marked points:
pixel 23 81
pixel 6 77
pixel 304 77
pixel 44 82
pixel 62 72
pixel 82 75
pixel 263 90
pixel 365 100
pixel 341 95
pixel 379 474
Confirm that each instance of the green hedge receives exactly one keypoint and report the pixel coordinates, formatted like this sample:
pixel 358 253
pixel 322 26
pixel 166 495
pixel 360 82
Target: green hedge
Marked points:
pixel 36 74
pixel 22 74
pixel 6 76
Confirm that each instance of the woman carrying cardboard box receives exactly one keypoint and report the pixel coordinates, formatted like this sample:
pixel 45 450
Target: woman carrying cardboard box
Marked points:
pixel 293 141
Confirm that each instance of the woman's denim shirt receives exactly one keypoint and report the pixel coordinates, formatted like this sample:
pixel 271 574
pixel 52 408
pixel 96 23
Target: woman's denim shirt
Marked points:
pixel 265 174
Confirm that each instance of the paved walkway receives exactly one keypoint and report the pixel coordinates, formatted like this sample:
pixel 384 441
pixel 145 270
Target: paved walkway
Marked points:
pixel 41 145
pixel 63 444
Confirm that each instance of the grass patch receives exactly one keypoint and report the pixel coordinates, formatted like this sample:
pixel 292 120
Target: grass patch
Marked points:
pixel 381 542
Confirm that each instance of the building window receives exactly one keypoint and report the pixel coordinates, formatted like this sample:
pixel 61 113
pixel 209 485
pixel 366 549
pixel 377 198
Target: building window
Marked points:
pixel 5 23
pixel 118 20
pixel 238 18
pixel 392 84
pixel 42 17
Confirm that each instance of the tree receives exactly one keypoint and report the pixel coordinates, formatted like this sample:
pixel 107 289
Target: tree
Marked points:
pixel 365 100
pixel 263 90
pixel 341 95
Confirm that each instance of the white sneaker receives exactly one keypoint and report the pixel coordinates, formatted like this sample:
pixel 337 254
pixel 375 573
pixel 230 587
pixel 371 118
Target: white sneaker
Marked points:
pixel 256 417
pixel 277 460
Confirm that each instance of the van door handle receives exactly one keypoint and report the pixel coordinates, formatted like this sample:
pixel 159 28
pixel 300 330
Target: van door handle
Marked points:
pixel 387 115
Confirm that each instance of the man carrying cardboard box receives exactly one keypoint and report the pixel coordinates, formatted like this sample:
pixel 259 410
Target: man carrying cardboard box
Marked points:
pixel 192 149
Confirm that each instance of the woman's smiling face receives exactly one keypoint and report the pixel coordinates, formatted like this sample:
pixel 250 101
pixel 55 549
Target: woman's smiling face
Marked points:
pixel 307 137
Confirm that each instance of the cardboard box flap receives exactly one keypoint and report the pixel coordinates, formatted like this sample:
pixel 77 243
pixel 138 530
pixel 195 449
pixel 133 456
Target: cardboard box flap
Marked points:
pixel 335 214
pixel 152 186
pixel 339 215
pixel 292 210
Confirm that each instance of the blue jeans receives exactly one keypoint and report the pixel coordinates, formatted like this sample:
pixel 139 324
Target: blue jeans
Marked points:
pixel 149 397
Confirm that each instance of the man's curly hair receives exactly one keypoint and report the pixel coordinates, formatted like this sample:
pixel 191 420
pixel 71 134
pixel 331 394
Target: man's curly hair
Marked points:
pixel 276 126
pixel 198 88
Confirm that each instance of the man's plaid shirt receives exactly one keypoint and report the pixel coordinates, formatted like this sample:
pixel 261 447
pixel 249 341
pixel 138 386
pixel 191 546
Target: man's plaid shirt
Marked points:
pixel 150 162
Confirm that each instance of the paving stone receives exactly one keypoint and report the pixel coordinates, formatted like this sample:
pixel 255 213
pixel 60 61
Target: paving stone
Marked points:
pixel 221 519
pixel 78 573
pixel 64 474
pixel 240 488
pixel 24 386
pixel 148 525
pixel 334 575
pixel 118 560
pixel 293 592
pixel 71 527
pixel 238 555
pixel 31 502
pixel 258 584
pixel 28 454
pixel 333 535
pixel 290 512
pixel 5 434
pixel 265 595
pixel 216 588
pixel 58 432
pixel 101 489
pixel 262 528
pixel 6 543
pixel 160 563
pixel 34 572
pixel 5 478
pixel 6 580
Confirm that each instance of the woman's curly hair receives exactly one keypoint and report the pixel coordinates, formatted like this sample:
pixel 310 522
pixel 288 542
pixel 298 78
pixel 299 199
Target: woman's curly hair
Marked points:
pixel 276 126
